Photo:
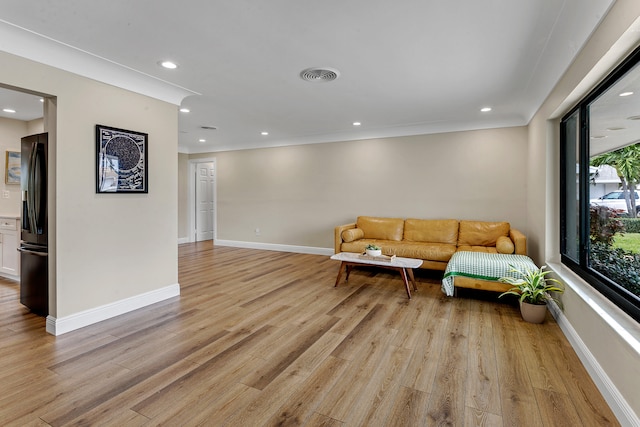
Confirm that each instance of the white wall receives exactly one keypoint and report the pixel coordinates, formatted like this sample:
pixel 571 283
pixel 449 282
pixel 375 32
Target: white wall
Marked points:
pixel 607 340
pixel 35 126
pixel 10 133
pixel 183 195
pixel 111 247
pixel 297 195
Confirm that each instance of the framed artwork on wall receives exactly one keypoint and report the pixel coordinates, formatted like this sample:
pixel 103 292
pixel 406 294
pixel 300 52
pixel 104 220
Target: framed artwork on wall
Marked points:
pixel 12 168
pixel 121 161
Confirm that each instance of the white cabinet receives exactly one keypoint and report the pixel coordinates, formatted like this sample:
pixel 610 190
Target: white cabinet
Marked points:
pixel 9 239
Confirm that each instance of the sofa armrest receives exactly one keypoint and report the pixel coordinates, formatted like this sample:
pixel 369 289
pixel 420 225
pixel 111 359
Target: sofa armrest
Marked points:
pixel 519 241
pixel 338 235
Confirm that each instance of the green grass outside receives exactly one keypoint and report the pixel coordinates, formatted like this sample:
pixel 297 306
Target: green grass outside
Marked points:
pixel 630 242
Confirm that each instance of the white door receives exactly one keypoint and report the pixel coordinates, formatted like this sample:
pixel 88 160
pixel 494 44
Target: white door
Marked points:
pixel 205 186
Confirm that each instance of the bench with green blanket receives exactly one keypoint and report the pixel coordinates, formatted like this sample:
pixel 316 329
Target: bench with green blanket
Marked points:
pixel 483 266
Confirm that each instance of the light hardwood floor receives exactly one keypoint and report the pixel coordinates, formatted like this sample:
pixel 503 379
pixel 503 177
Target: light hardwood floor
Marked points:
pixel 263 338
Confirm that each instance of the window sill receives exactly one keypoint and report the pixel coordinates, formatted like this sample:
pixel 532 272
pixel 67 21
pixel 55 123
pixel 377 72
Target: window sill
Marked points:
pixel 625 326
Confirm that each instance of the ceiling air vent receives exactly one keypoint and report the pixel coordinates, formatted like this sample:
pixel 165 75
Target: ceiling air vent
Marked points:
pixel 208 127
pixel 319 74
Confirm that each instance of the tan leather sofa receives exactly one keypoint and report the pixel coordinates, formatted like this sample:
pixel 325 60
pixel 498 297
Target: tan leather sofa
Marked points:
pixel 432 240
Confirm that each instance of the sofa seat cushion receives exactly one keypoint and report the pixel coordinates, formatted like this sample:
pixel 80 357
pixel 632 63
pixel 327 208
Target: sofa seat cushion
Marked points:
pixel 431 230
pixel 480 233
pixel 487 249
pixel 430 251
pixel 425 251
pixel 381 228
pixel 358 246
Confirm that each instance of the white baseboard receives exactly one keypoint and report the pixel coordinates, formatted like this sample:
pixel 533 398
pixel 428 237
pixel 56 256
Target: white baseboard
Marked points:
pixel 275 247
pixel 10 276
pixel 59 326
pixel 182 240
pixel 614 398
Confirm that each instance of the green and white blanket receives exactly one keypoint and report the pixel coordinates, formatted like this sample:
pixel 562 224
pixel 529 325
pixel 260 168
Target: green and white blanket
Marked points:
pixel 485 266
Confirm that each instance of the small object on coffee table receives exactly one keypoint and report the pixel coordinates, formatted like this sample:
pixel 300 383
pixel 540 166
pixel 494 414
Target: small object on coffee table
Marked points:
pixel 373 250
pixel 383 258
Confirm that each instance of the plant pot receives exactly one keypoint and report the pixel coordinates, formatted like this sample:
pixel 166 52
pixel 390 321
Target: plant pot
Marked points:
pixel 533 313
pixel 373 252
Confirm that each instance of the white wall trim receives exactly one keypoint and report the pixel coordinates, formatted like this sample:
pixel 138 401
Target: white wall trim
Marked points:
pixel 182 240
pixel 36 47
pixel 88 317
pixel 10 276
pixel 610 392
pixel 275 247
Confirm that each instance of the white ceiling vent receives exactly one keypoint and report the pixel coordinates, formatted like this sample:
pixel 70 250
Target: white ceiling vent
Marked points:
pixel 319 74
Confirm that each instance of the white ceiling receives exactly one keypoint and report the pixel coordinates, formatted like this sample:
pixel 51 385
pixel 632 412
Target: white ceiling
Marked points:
pixel 406 67
pixel 27 107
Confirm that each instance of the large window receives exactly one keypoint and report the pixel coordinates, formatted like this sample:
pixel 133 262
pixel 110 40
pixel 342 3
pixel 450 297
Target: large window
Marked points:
pixel 600 182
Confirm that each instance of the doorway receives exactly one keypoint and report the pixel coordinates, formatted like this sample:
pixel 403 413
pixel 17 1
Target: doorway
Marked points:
pixel 202 200
pixel 31 113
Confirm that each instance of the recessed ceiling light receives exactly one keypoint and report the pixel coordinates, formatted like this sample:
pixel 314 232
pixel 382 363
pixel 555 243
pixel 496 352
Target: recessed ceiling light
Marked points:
pixel 8 110
pixel 168 64
pixel 202 140
pixel 357 123
pixel 41 99
pixel 626 93
pixel 185 110
pixel 485 109
pixel 264 133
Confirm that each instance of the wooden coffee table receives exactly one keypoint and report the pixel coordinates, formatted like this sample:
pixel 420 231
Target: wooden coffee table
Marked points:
pixel 404 266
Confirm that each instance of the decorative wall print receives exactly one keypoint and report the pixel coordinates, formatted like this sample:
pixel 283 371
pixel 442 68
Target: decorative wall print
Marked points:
pixel 121 157
pixel 12 168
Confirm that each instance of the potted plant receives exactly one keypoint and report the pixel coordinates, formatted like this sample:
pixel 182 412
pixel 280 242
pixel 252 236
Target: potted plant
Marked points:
pixel 373 250
pixel 532 288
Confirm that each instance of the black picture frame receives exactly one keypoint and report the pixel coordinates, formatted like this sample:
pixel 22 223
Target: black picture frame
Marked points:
pixel 121 161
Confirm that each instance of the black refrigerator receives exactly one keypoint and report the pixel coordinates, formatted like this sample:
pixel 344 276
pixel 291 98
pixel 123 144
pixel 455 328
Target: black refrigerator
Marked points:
pixel 34 268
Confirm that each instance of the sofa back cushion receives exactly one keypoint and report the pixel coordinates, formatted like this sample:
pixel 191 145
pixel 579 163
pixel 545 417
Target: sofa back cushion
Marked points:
pixel 381 228
pixel 431 230
pixel 479 233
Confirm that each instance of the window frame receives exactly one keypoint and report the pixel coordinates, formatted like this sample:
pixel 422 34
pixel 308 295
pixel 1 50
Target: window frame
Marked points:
pixel 620 296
